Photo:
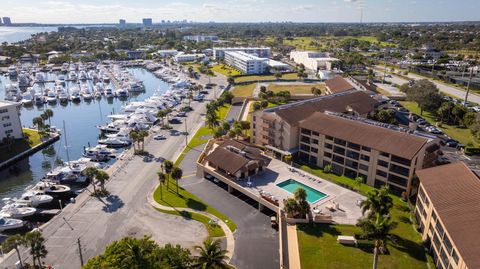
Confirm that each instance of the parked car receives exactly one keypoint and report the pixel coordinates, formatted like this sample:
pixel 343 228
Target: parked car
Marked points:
pixel 159 137
pixel 181 114
pixel 175 121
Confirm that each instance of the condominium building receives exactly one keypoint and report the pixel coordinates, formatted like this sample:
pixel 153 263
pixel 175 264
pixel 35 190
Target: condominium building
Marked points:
pixel 147 22
pixel 7 21
pixel 200 38
pixel 181 57
pixel 122 23
pixel 338 84
pixel 262 52
pixel 246 63
pixel 313 60
pixel 277 128
pixel 167 53
pixel 10 125
pixel 355 147
pixel 448 213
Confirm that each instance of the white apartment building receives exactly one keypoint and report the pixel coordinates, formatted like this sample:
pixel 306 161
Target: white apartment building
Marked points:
pixel 199 38
pixel 167 53
pixel 182 58
pixel 313 60
pixel 246 63
pixel 262 52
pixel 10 125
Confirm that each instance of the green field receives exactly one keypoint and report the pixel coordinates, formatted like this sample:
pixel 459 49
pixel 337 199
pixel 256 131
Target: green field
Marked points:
pixel 225 70
pixel 20 145
pixel 255 78
pixel 329 42
pixel 244 90
pixel 318 247
pixel 463 135
pixel 296 88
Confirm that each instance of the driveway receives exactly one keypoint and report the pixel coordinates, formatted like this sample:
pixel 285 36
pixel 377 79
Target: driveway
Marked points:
pixel 256 243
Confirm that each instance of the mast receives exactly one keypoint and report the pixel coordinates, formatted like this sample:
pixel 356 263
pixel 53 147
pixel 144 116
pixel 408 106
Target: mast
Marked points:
pixel 66 143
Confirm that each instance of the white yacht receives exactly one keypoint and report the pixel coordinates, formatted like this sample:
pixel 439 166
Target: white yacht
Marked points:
pixel 51 97
pixel 86 94
pixel 63 96
pixel 82 75
pixel 135 86
pixel 14 210
pixel 114 142
pixel 109 93
pixel 12 71
pixel 72 75
pixel 9 224
pixel 52 189
pixel 34 199
pixel 99 153
pixel 121 93
pixel 39 99
pixel 27 99
pixel 75 95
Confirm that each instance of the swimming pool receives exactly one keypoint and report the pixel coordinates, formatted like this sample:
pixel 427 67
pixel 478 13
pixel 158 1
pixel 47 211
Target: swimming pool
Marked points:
pixel 312 195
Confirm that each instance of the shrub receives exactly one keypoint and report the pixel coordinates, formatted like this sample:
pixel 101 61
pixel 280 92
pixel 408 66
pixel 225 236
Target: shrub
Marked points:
pixel 327 169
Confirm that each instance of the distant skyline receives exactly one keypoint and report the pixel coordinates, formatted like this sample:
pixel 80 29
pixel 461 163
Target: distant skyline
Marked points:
pixel 110 11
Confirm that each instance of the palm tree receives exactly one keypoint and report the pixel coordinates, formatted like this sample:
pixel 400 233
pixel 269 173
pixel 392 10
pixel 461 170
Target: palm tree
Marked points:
pixel 290 206
pixel 177 174
pixel 102 177
pixel 49 113
pixel 161 178
pixel 141 137
pixel 211 255
pixel 162 114
pixel 300 196
pixel 168 167
pixel 377 228
pixel 378 201
pixel 135 137
pixel 37 121
pixel 13 242
pixel 91 173
pixel 36 242
pixel 211 119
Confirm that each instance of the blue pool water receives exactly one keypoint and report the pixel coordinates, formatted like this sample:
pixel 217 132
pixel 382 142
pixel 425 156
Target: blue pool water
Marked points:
pixel 312 195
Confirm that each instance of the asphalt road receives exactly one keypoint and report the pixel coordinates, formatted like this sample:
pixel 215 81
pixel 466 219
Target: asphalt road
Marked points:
pixel 97 223
pixel 457 92
pixel 256 243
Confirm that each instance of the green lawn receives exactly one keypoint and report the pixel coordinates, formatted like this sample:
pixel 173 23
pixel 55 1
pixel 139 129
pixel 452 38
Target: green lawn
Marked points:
pixel 329 42
pixel 296 89
pixel 244 90
pixel 463 135
pixel 255 78
pixel 318 247
pixel 20 145
pixel 225 70
pixel 213 230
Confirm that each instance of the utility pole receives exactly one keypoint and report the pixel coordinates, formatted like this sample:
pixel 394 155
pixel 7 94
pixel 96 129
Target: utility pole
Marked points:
pixel 468 86
pixel 80 255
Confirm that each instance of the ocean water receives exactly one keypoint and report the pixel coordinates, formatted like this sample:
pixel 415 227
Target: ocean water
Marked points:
pixel 15 34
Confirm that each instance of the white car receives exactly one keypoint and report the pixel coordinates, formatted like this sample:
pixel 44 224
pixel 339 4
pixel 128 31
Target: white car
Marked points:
pixel 159 137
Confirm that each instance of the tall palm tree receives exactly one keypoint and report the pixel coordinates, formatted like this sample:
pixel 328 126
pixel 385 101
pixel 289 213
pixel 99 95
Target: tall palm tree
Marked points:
pixel 378 201
pixel 377 228
pixel 161 178
pixel 162 114
pixel 49 113
pixel 36 242
pixel 102 177
pixel 300 196
pixel 91 173
pixel 14 242
pixel 177 174
pixel 37 121
pixel 211 119
pixel 211 255
pixel 168 167
pixel 135 137
pixel 141 137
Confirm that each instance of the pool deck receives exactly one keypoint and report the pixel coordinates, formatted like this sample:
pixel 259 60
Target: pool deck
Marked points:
pixel 277 171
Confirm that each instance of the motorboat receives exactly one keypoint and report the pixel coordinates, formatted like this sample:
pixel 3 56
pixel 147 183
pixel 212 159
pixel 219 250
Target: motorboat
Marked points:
pixel 72 75
pixel 99 153
pixel 12 71
pixel 27 99
pixel 63 96
pixel 75 95
pixel 39 78
pixel 38 99
pixel 51 97
pixel 34 199
pixel 114 142
pixel 23 80
pixel 52 189
pixel 14 210
pixel 109 93
pixel 135 86
pixel 10 224
pixel 86 94
pixel 82 75
pixel 121 93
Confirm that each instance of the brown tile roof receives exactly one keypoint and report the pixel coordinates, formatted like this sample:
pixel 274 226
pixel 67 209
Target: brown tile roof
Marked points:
pixel 454 191
pixel 338 84
pixel 227 160
pixel 394 142
pixel 360 102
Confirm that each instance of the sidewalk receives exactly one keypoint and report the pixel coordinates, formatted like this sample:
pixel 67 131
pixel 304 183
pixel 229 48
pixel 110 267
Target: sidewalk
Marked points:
pixel 293 251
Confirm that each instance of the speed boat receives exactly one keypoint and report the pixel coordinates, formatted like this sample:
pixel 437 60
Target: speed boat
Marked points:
pixel 109 93
pixel 27 99
pixel 114 142
pixel 34 199
pixel 121 93
pixel 51 97
pixel 52 189
pixel 99 153
pixel 9 224
pixel 13 210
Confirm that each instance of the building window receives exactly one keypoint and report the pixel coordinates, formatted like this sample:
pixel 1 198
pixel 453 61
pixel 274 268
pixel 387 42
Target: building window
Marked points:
pixel 399 170
pixel 381 173
pixel 434 216
pixel 455 256
pixel 366 148
pixel 7 124
pixel 315 133
pixel 397 180
pixel 365 157
pixel 304 157
pixel 351 164
pixel 305 139
pixel 5 117
pixel 384 154
pixel 379 183
pixel 313 160
pixel 440 229
pixel 400 160
pixel 339 150
pixel 314 150
pixel 338 159
pixel 353 146
pixel 3 110
pixel 328 146
pixel 315 141
pixel 350 173
pixel 329 137
pixel 363 167
pixel 447 243
pixel 304 147
pixel 7 132
pixel 383 163
pixel 340 142
pixel 306 132
pixel 353 154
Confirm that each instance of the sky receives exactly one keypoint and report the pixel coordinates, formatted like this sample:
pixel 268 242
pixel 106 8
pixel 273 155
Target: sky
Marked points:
pixel 110 11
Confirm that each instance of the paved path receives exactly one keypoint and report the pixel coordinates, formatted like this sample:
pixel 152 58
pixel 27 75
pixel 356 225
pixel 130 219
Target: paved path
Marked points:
pixel 293 251
pixel 451 90
pixel 96 223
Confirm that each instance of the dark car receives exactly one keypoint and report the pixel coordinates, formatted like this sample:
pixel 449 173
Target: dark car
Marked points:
pixel 175 121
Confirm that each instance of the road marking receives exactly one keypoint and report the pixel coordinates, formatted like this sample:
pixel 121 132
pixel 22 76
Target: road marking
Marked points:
pixel 190 175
